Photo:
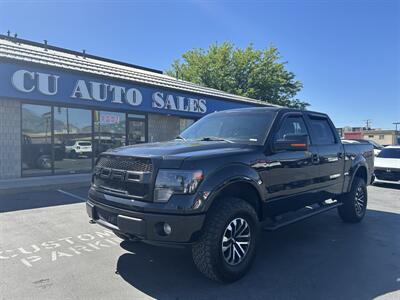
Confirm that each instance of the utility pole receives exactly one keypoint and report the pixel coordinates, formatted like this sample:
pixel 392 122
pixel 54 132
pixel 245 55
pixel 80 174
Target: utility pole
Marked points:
pixel 368 123
pixel 395 124
pixel 397 135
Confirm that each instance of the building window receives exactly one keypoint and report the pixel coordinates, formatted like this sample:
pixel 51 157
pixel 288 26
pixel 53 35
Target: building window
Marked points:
pixel 137 127
pixel 185 123
pixel 371 136
pixel 109 131
pixel 37 140
pixel 381 136
pixel 73 131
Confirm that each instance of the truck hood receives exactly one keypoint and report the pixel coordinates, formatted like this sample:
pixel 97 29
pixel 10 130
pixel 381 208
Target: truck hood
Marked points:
pixel 181 149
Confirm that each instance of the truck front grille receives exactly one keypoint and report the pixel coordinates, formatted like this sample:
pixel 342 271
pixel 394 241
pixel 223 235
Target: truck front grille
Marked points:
pixel 125 176
pixel 137 164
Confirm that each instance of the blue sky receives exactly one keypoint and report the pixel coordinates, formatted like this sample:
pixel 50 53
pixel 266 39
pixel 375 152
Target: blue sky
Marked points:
pixel 346 53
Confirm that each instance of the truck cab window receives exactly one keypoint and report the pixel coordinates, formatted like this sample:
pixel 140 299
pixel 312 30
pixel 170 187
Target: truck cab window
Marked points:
pixel 291 126
pixel 321 132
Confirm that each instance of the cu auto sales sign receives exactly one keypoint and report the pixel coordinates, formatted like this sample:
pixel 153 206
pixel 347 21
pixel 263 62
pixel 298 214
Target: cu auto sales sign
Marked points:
pixel 58 85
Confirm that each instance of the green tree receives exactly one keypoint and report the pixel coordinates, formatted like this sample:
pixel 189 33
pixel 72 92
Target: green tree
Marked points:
pixel 249 72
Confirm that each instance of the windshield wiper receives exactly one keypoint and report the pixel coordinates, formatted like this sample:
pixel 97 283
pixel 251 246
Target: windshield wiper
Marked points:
pixel 179 137
pixel 215 139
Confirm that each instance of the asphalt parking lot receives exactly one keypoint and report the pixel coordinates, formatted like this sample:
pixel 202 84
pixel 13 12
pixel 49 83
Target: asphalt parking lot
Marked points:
pixel 48 250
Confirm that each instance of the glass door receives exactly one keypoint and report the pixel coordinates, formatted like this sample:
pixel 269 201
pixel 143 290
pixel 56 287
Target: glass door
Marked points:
pixel 136 129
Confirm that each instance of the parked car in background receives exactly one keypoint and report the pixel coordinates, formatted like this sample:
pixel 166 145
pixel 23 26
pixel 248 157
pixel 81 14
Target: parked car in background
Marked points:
pixel 75 149
pixel 38 155
pixel 377 147
pixel 387 164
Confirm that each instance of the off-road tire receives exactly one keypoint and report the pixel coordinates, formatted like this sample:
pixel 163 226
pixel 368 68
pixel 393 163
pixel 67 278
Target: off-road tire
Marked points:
pixel 207 252
pixel 348 211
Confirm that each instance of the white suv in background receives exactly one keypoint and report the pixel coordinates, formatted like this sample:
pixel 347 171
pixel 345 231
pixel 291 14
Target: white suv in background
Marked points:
pixel 75 149
pixel 387 164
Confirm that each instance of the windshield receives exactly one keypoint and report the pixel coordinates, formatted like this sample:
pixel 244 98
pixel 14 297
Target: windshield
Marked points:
pixel 239 127
pixel 390 153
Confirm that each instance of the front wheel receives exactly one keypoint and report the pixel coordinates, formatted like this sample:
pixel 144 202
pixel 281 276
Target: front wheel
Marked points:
pixel 355 202
pixel 227 245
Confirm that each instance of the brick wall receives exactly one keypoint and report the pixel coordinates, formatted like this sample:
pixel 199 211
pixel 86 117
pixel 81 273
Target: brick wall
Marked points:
pixel 10 139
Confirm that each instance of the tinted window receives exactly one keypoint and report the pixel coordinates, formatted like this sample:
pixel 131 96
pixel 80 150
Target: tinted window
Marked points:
pixel 85 144
pixel 390 153
pixel 291 126
pixel 71 126
pixel 109 131
pixel 37 136
pixel 321 132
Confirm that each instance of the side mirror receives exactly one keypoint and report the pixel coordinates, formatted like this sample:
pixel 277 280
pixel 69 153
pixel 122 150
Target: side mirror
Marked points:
pixel 292 142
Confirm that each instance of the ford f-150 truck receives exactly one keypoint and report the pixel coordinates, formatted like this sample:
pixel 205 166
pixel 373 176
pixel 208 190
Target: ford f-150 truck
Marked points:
pixel 226 176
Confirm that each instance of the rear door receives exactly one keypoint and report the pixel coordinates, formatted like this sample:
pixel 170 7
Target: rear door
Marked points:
pixel 331 153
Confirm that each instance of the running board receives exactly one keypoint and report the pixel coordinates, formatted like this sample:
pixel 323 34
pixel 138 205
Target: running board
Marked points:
pixel 299 216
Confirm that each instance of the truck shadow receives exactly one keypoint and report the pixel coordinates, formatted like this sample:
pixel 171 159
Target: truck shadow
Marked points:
pixel 40 199
pixel 320 258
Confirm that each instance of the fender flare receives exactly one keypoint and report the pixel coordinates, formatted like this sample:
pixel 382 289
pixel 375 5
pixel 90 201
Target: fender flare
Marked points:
pixel 231 174
pixel 356 165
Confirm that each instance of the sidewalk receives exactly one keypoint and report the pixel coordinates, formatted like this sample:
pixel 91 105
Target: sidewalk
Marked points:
pixel 28 184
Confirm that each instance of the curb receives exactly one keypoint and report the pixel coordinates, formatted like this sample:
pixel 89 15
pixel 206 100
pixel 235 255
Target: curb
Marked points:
pixel 44 183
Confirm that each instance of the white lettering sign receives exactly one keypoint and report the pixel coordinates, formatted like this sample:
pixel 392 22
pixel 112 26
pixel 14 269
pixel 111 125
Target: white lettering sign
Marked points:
pixel 61 248
pixel 25 81
pixel 47 84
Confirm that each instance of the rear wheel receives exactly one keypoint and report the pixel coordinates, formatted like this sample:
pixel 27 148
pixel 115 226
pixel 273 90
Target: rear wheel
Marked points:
pixel 227 245
pixel 355 202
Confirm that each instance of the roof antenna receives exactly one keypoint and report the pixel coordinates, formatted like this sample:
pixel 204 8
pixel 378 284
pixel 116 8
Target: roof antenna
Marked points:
pixel 45 45
pixel 8 33
pixel 84 53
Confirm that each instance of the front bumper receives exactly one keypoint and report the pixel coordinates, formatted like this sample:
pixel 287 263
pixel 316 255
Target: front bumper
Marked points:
pixel 387 174
pixel 146 226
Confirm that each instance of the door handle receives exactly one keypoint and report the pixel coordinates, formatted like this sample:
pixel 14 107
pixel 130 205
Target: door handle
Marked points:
pixel 315 158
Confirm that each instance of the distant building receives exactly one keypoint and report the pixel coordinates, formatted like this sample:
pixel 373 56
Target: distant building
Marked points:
pixel 383 137
pixel 349 132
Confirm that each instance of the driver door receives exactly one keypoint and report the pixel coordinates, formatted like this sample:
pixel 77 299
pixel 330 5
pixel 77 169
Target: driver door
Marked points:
pixel 290 172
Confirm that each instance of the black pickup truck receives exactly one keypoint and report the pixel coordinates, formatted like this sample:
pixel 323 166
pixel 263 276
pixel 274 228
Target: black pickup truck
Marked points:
pixel 226 176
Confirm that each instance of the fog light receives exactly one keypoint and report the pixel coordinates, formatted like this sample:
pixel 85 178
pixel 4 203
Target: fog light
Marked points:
pixel 167 229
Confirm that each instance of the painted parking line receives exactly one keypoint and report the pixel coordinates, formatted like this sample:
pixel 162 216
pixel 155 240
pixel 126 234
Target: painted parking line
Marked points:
pixel 72 195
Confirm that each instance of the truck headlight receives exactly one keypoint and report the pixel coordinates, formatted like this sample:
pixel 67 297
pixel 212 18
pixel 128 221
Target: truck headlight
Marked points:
pixel 171 182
